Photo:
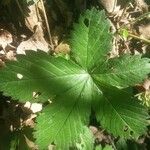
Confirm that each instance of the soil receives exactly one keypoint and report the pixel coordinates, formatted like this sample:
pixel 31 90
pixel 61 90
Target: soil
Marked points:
pixel 47 28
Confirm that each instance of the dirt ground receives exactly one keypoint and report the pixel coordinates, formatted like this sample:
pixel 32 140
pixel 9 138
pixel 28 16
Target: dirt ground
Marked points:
pixel 46 26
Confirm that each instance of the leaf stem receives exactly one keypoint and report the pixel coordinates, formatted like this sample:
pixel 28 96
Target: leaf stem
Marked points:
pixel 139 38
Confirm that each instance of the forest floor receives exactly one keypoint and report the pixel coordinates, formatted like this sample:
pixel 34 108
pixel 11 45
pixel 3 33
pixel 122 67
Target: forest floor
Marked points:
pixel 46 26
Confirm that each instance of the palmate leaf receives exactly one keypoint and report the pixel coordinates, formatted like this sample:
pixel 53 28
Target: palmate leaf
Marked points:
pixel 88 81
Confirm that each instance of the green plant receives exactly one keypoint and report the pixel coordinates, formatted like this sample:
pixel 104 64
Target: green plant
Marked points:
pixel 89 80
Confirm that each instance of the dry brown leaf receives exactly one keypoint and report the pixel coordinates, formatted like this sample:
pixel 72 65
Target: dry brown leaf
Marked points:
pixel 110 5
pixel 36 42
pixel 62 48
pixel 146 84
pixel 31 144
pixel 31 19
pixel 142 5
pixel 99 134
pixel 1 63
pixel 10 55
pixel 29 121
pixel 145 31
pixel 5 38
pixel 34 107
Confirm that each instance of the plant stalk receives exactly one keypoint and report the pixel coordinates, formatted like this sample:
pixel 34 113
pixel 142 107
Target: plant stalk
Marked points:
pixel 139 38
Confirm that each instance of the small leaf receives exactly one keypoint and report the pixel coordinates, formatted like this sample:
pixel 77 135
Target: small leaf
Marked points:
pixel 124 33
pixel 107 147
pixel 121 144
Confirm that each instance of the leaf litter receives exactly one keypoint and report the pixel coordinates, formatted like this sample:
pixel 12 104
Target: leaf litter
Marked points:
pixel 126 15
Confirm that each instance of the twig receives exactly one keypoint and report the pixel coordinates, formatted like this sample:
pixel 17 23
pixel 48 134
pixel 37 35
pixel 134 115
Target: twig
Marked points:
pixel 47 25
pixel 37 12
pixel 137 19
pixel 124 10
pixel 139 38
pixel 140 18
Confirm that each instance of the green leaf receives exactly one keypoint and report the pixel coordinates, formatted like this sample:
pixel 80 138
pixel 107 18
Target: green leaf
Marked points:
pixel 107 147
pixel 63 122
pixel 124 71
pixel 86 141
pixel 91 40
pixel 87 81
pixel 59 125
pixel 39 73
pixel 124 33
pixel 121 144
pixel 120 113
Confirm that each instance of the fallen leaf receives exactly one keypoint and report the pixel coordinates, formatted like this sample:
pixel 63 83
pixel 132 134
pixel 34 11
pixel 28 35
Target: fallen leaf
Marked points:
pixel 142 5
pixel 110 5
pixel 31 19
pixel 36 42
pixel 5 38
pixel 62 48
pixel 10 55
pixel 145 31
